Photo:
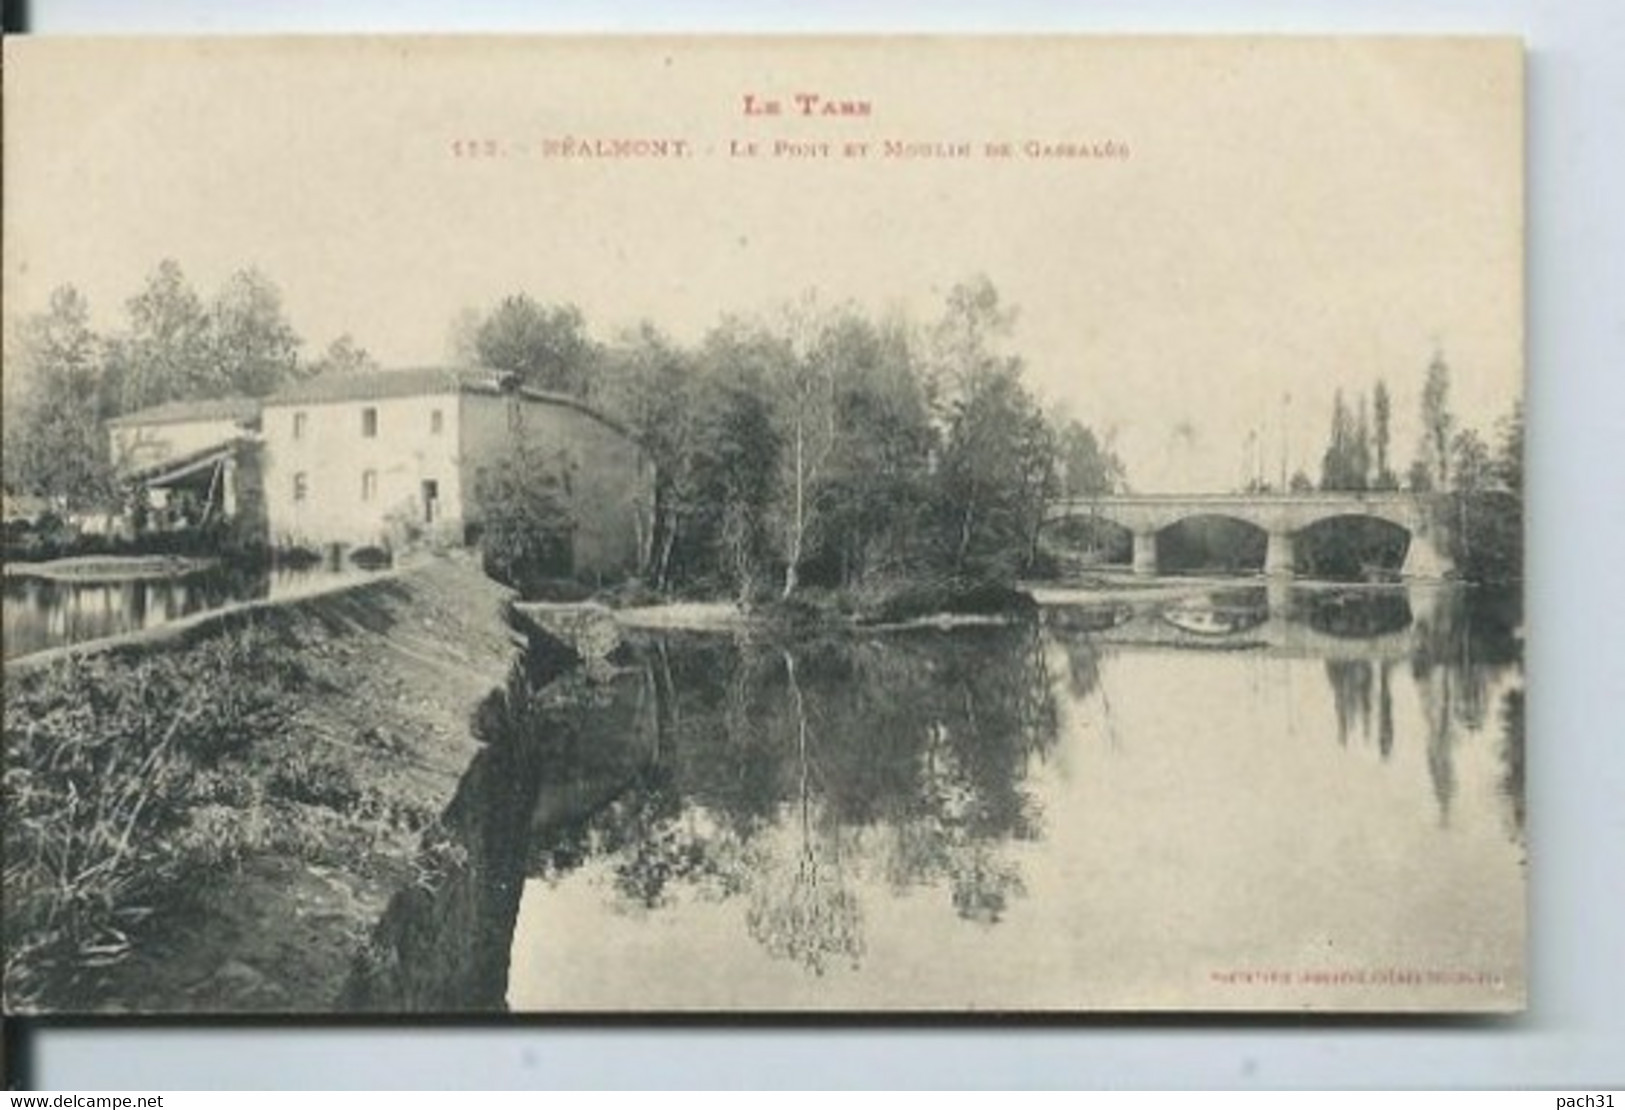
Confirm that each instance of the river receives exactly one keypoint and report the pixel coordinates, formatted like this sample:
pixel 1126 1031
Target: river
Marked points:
pixel 43 613
pixel 1254 798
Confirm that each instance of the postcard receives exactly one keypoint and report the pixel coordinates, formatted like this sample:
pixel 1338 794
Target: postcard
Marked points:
pixel 752 525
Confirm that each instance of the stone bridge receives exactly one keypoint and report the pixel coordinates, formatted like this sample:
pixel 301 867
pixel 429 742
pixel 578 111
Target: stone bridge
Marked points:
pixel 1281 516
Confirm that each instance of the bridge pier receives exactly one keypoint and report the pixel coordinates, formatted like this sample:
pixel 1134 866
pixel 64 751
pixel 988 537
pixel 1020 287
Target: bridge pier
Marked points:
pixel 1145 553
pixel 1280 557
pixel 1423 559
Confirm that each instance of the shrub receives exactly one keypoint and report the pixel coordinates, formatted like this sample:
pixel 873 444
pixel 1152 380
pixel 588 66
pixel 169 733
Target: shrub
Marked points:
pixel 314 777
pixel 108 760
pixel 890 604
pixel 526 529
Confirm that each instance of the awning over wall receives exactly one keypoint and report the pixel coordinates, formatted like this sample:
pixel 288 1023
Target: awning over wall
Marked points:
pixel 193 468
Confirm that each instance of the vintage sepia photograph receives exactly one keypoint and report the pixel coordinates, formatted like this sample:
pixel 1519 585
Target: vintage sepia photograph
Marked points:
pixel 912 525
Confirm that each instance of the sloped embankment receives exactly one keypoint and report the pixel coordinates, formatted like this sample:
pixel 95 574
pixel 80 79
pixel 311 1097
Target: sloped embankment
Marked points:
pixel 212 820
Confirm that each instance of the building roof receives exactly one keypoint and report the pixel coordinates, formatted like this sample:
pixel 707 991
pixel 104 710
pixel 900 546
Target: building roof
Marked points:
pixel 182 412
pixel 171 470
pixel 427 381
pixel 379 385
pixel 375 385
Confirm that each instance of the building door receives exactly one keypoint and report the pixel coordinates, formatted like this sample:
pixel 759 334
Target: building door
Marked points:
pixel 431 500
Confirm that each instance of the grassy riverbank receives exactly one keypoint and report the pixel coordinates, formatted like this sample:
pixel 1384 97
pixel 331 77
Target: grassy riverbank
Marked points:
pixel 212 822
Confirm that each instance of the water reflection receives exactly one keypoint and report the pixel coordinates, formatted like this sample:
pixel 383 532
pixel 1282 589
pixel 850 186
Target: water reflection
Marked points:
pixel 43 613
pixel 1221 612
pixel 773 763
pixel 1073 813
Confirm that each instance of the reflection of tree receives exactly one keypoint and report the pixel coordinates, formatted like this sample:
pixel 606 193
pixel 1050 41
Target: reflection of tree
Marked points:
pixel 1461 647
pixel 1082 663
pixel 1512 782
pixel 1351 681
pixel 773 767
pixel 1462 641
pixel 1385 709
pixel 807 913
pixel 983 884
pixel 1359 615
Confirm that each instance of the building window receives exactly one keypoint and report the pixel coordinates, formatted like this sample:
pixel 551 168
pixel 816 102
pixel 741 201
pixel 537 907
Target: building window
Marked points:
pixel 369 485
pixel 437 422
pixel 301 486
pixel 298 425
pixel 369 423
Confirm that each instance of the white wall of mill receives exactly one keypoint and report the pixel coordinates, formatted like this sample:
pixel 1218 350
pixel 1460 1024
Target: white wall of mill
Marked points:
pixel 484 433
pixel 333 454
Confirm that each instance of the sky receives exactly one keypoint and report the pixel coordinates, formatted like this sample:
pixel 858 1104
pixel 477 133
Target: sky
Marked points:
pixel 1292 217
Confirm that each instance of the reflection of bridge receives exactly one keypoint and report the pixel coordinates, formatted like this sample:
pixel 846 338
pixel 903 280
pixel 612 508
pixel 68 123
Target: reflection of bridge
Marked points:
pixel 1283 628
pixel 1280 516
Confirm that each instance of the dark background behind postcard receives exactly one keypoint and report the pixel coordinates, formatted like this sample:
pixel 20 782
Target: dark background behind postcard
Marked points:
pixel 1576 403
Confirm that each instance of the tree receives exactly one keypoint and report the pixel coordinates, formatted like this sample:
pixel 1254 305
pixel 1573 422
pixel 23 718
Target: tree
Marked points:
pixel 998 467
pixel 1438 425
pixel 548 348
pixel 873 499
pixel 1347 459
pixel 1486 534
pixel 251 348
pixel 1086 467
pixel 55 445
pixel 1359 463
pixel 1471 462
pixel 735 456
pixel 804 384
pixel 179 349
pixel 963 343
pixel 649 384
pixel 343 356
pixel 1301 482
pixel 1509 456
pixel 526 526
pixel 997 474
pixel 1382 423
pixel 165 354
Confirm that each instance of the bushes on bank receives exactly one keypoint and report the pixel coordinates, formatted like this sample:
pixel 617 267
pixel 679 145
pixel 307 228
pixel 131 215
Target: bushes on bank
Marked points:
pixel 126 775
pixel 526 530
pixel 913 600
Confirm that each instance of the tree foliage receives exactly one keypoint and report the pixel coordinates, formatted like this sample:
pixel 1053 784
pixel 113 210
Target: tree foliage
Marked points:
pixel 179 347
pixel 55 445
pixel 176 346
pixel 526 525
pixel 1085 466
pixel 1382 411
pixel 1346 464
pixel 1438 423
pixel 547 347
pixel 342 356
pixel 251 348
pixel 826 446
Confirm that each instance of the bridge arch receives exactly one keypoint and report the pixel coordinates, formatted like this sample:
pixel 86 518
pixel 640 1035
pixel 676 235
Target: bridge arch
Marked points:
pixel 1352 546
pixel 1212 543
